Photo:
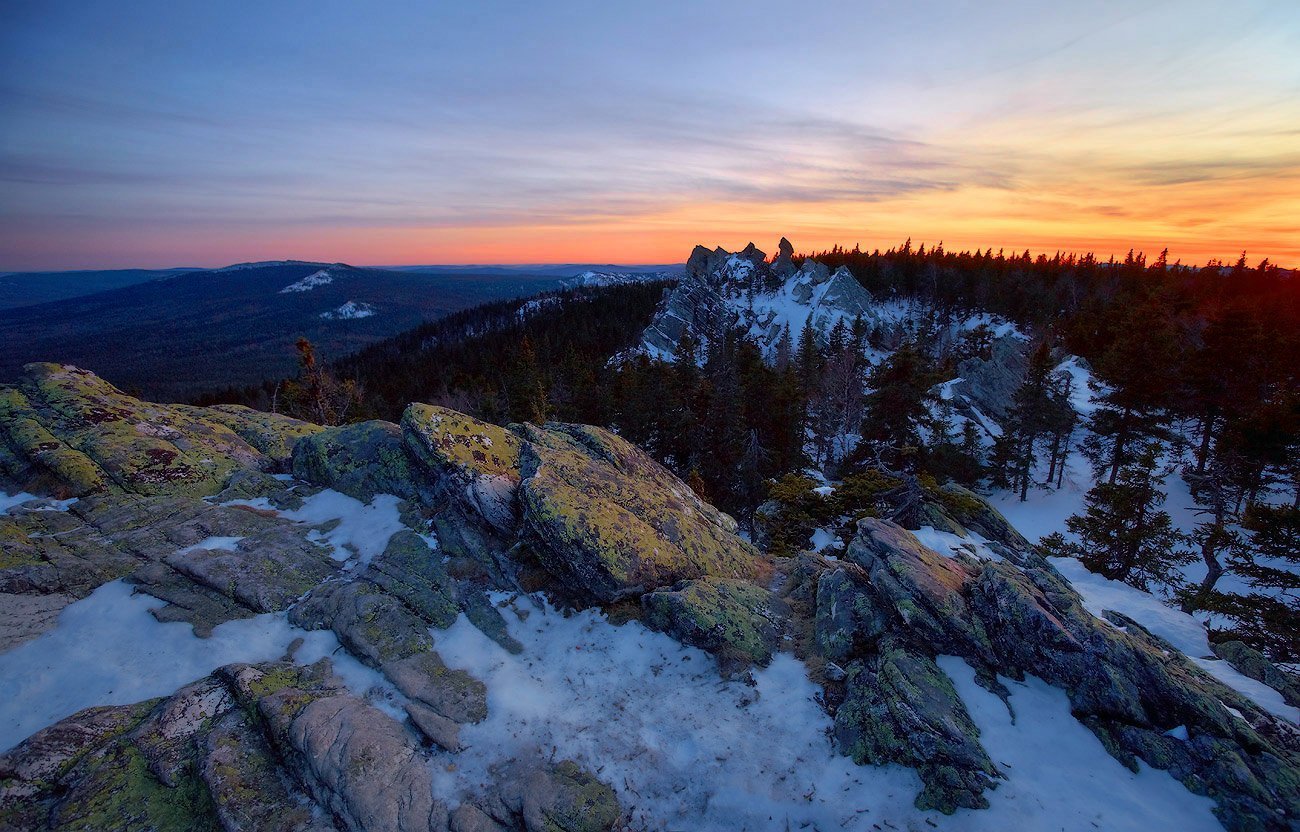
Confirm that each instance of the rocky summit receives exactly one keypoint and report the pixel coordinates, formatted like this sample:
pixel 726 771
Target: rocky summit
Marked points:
pixel 430 597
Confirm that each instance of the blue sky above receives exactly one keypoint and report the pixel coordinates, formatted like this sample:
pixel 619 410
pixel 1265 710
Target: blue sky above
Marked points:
pixel 155 133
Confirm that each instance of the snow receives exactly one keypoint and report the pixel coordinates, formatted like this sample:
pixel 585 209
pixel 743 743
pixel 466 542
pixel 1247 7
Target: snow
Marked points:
pixel 1181 630
pixel 264 264
pixel 595 279
pixel 682 747
pixel 8 501
pixel 824 538
pixel 536 305
pixel 1084 390
pixel 685 749
pixel 309 282
pixel 349 311
pixel 1059 776
pixel 11 501
pixel 1046 510
pixel 226 544
pixel 951 545
pixel 362 529
pixel 107 649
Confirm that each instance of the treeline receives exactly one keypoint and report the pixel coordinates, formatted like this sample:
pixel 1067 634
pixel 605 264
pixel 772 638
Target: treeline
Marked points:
pixel 1200 367
pixel 545 357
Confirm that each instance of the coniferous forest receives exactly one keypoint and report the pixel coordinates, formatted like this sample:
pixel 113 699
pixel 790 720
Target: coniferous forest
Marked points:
pixel 1199 367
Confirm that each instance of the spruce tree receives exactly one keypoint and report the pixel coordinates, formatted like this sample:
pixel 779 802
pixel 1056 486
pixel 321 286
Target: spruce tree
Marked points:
pixel 1123 533
pixel 1269 618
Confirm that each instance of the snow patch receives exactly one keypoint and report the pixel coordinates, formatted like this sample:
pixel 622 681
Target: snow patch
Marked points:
pixel 1059 776
pixel 362 529
pixel 683 748
pixel 107 649
pixel 1084 390
pixel 224 544
pixel 309 282
pixel 951 545
pixel 823 538
pixel 350 311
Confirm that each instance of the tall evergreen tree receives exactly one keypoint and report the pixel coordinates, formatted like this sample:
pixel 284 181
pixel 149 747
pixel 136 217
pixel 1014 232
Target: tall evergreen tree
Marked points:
pixel 1123 533
pixel 526 387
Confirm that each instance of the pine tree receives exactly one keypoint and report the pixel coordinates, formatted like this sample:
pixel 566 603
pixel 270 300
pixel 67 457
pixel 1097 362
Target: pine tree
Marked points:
pixel 1123 534
pixel 897 408
pixel 526 388
pixel 1269 619
pixel 317 395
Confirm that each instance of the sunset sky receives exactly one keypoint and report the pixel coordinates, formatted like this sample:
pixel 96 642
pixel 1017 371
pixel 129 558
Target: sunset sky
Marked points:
pixel 166 133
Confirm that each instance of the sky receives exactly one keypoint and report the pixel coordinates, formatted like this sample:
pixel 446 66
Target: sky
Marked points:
pixel 177 133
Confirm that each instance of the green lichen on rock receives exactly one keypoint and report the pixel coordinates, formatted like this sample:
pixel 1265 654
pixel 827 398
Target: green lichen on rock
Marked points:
pixel 410 571
pixel 572 801
pixel 446 439
pixel 472 466
pixel 360 460
pixel 612 523
pixel 1250 662
pixel 924 588
pixel 900 707
pixel 734 619
pixel 66 430
pixel 274 434
pixel 118 791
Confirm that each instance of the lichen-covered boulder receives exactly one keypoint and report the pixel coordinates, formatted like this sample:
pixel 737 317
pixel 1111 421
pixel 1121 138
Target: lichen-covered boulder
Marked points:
pixel 474 462
pixel 274 434
pixel 610 522
pixel 900 707
pixel 1252 663
pixel 1008 619
pixel 924 587
pixel 360 460
pixel 375 627
pixel 736 620
pixel 559 797
pixel 65 431
pixel 849 619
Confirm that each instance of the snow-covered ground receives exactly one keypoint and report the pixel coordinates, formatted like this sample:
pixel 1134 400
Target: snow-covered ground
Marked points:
pixel 686 750
pixel 109 650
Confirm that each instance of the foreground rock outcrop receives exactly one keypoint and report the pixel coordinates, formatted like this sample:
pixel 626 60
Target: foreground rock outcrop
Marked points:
pixel 473 514
pixel 891 606
pixel 275 746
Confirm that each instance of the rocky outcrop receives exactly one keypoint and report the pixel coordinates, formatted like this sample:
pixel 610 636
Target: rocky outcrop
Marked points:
pixel 275 746
pixel 736 620
pixel 990 383
pixel 885 624
pixel 65 431
pixel 721 291
pixel 360 460
pixel 899 707
pixel 1255 665
pixel 612 523
pixel 212 563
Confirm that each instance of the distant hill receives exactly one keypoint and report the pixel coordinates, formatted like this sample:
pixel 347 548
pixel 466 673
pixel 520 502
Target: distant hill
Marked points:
pixel 197 330
pixel 30 288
